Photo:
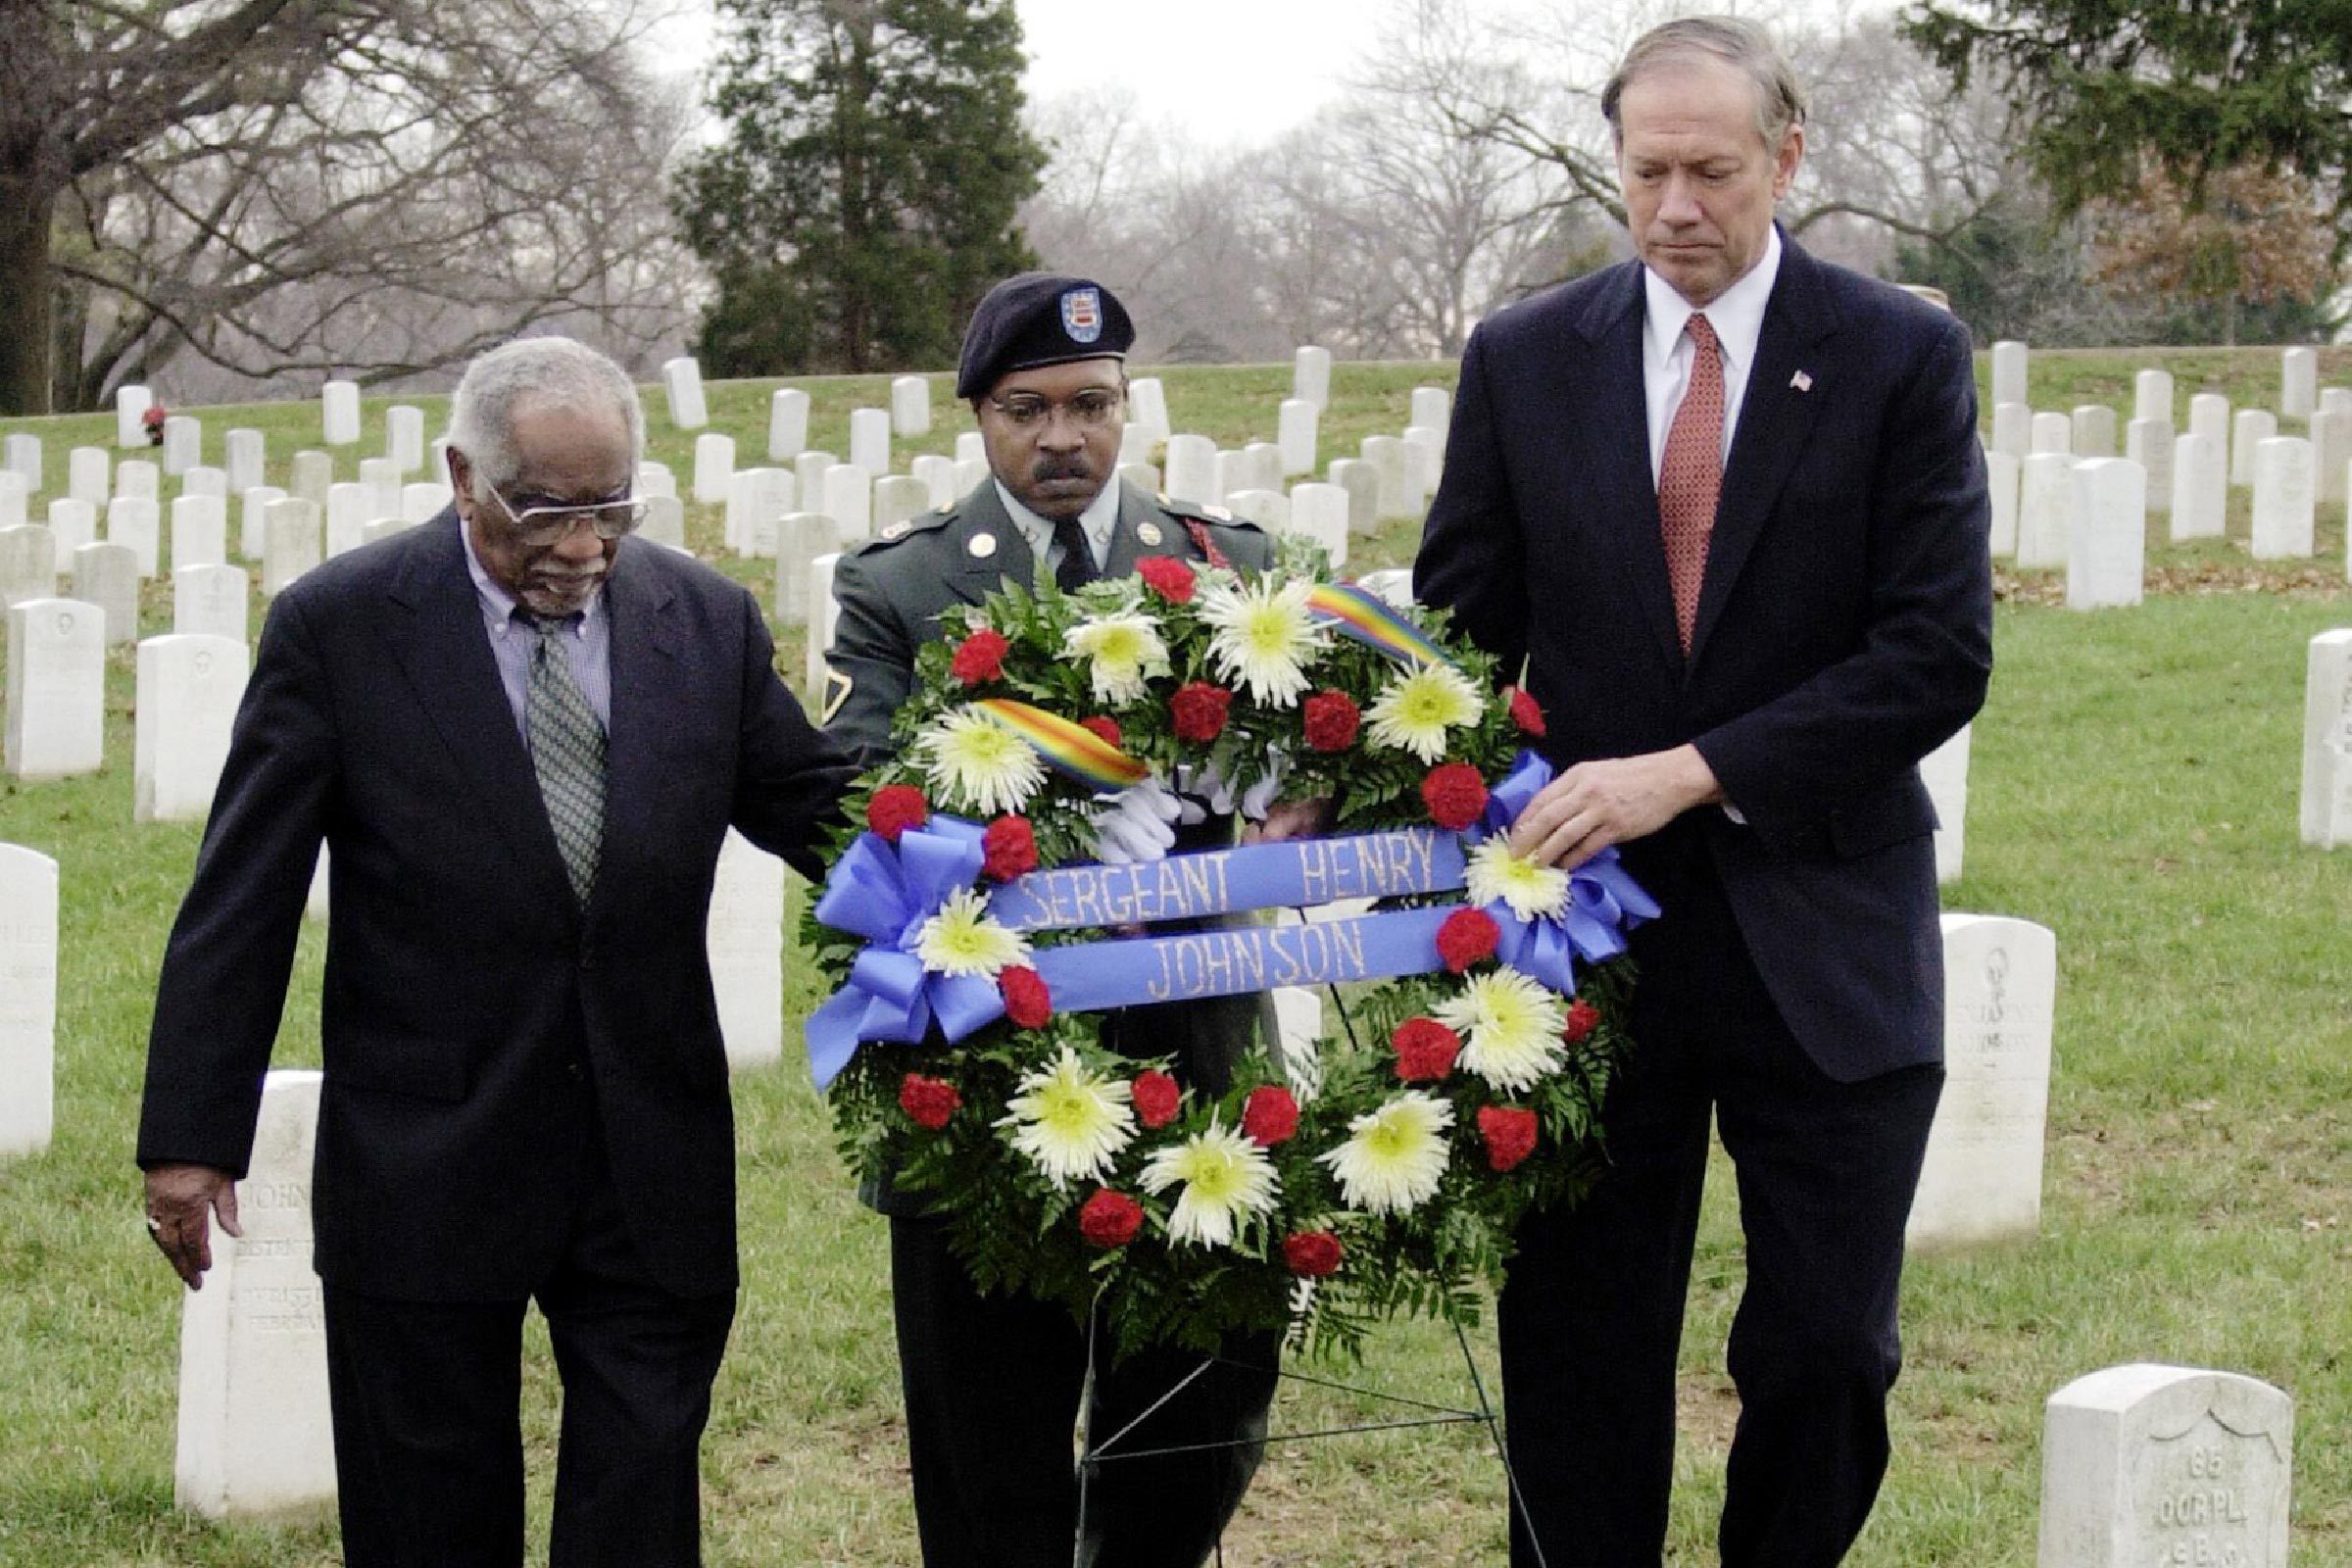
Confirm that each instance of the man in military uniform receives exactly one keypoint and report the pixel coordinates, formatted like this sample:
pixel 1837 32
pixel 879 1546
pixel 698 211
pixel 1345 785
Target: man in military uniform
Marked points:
pixel 992 1382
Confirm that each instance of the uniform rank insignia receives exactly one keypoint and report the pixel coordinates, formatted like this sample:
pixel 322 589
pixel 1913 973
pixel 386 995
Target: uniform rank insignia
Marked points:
pixel 837 692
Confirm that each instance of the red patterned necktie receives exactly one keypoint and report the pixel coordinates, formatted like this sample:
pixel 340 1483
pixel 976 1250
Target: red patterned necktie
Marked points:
pixel 1691 476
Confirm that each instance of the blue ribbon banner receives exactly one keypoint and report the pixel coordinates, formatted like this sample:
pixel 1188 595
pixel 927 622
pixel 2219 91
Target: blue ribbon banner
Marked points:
pixel 885 895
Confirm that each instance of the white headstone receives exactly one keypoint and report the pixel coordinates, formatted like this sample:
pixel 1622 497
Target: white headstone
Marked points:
pixel 254 508
pixel 27 564
pixel 89 476
pixel 2012 429
pixel 2254 428
pixel 2336 400
pixel 71 523
pixel 1310 375
pixel 349 508
pixel 801 539
pixel 2285 510
pixel 139 479
pixel 134 522
pixel 24 459
pixel 1192 469
pixel 850 499
pixel 808 475
pixel 377 529
pixel 909 405
pixel 937 476
pixel 756 499
pixel 255 1438
pixel 1391 465
pixel 2001 471
pixel 1237 471
pixel 2107 537
pixel 404 438
pixel 1944 770
pixel 1299 1031
pixel 199 531
pixel 313 475
pixel 210 602
pixel 15 499
pixel 1295 426
pixel 2327 740
pixel 2201 488
pixel 340 412
pixel 1425 445
pixel 132 404
pixel 27 1001
pixel 1146 405
pixel 899 497
pixel 1981 1180
pixel 379 477
pixel 1395 585
pixel 292 543
pixel 787 423
pixel 656 479
pixel 1320 512
pixel 745 935
pixel 423 500
pixel 1357 477
pixel 2147 1466
pixel 1270 510
pixel 188 691
pixel 2149 443
pixel 184 443
pixel 2209 416
pixel 665 521
pixel 107 575
pixel 822 616
pixel 2299 382
pixel 56 717
pixel 2046 505
pixel 2093 432
pixel 682 380
pixel 203 481
pixel 2152 396
pixel 972 473
pixel 971 447
pixel 1144 476
pixel 713 466
pixel 2052 432
pixel 2331 451
pixel 2009 372
pixel 1432 406
pixel 1135 442
pixel 869 440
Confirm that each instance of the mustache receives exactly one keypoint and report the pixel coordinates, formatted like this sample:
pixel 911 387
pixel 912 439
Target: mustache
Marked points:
pixel 1071 467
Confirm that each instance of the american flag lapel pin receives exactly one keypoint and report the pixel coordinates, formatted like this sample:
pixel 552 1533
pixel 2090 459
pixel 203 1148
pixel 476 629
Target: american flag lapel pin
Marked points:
pixel 1802 381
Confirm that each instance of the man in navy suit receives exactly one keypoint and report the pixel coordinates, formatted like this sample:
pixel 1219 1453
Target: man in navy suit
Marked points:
pixel 523 736
pixel 1726 503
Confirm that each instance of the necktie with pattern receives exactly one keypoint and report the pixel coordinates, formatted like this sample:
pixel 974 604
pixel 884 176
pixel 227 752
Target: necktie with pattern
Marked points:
pixel 1077 566
pixel 1691 476
pixel 567 752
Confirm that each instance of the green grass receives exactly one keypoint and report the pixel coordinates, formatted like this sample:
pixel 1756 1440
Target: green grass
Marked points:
pixel 2134 788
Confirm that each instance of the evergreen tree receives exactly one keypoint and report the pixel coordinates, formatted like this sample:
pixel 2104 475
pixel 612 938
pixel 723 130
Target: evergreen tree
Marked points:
pixel 863 198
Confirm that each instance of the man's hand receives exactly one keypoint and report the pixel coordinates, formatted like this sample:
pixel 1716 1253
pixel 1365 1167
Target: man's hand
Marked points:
pixel 1291 819
pixel 1594 805
pixel 1137 825
pixel 179 1198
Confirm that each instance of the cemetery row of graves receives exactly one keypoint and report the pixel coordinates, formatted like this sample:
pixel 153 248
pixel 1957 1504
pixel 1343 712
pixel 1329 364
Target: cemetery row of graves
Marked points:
pixel 2144 1019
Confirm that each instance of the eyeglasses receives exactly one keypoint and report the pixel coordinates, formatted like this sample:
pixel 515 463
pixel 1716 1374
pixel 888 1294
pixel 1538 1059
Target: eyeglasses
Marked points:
pixel 1092 408
pixel 551 522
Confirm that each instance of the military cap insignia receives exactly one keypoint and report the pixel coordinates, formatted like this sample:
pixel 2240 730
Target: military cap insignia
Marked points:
pixel 1082 314
pixel 837 692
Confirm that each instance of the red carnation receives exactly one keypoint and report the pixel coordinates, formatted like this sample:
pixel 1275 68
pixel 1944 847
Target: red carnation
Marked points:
pixel 1168 577
pixel 1108 728
pixel 895 808
pixel 1509 1131
pixel 1310 1253
pixel 1009 849
pixel 1583 1017
pixel 980 657
pixel 154 419
pixel 1109 1220
pixel 1199 711
pixel 1027 1000
pixel 1332 721
pixel 1527 714
pixel 929 1101
pixel 1454 794
pixel 1154 1094
pixel 1269 1116
pixel 1425 1050
pixel 1467 938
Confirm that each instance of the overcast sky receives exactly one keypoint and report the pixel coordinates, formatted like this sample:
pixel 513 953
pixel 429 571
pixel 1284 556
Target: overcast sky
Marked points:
pixel 1228 71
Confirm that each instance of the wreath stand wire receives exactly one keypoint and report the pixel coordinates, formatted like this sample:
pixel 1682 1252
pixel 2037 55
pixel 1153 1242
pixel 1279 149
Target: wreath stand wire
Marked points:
pixel 1093 1454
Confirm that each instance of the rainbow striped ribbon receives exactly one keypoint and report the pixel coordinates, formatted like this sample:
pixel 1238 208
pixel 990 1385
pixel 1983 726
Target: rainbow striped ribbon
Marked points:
pixel 1071 748
pixel 1364 616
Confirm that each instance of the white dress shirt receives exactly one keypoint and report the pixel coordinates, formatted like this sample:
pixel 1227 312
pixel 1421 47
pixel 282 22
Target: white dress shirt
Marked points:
pixel 1737 316
pixel 1099 520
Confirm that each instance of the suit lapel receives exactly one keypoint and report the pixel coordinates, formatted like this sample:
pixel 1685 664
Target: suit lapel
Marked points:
pixel 1615 426
pixel 1127 542
pixel 446 656
pixel 1776 418
pixel 975 576
pixel 645 689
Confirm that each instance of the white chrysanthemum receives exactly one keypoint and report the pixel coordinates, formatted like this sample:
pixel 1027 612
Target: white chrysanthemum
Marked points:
pixel 1393 1157
pixel 1070 1122
pixel 978 764
pixel 1510 1028
pixel 1264 637
pixel 1532 892
pixel 1123 653
pixel 1416 709
pixel 1226 1176
pixel 961 938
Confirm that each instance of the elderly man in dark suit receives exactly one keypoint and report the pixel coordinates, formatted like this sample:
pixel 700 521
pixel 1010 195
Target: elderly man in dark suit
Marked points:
pixel 523 736
pixel 1727 503
pixel 992 1382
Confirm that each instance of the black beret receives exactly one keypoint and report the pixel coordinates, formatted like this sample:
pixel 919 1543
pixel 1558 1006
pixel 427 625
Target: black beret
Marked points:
pixel 1035 319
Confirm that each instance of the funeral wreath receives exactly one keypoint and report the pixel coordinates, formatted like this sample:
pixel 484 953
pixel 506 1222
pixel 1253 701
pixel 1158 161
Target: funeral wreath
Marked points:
pixel 975 941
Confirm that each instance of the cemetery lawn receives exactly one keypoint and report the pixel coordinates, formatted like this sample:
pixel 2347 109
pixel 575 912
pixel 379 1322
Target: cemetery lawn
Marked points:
pixel 2134 788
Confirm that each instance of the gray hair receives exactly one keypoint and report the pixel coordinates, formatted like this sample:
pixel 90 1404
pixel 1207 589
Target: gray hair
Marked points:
pixel 1738 42
pixel 533 370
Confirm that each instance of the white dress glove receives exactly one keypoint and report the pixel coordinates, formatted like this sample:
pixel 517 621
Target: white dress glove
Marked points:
pixel 1210 786
pixel 1137 825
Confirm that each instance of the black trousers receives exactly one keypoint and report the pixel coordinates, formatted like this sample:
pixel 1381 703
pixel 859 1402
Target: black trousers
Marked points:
pixel 426 1396
pixel 1590 1319
pixel 993 1389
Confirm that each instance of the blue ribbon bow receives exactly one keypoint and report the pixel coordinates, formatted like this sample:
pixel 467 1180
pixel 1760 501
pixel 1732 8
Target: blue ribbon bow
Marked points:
pixel 1604 902
pixel 885 895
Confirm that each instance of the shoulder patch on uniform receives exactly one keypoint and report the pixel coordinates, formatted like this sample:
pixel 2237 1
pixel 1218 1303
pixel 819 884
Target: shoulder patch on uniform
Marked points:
pixel 837 692
pixel 1214 516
